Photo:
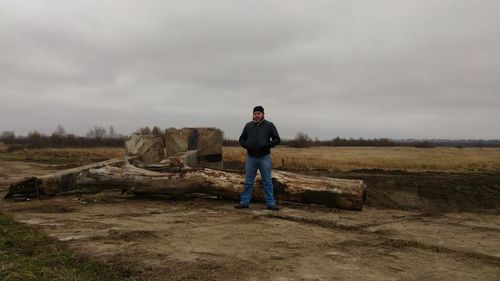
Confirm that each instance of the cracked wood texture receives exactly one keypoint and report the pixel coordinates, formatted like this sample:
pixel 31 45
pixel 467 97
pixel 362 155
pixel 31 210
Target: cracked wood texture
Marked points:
pixel 117 173
pixel 340 193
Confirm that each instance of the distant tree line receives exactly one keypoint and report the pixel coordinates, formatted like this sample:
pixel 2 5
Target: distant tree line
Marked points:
pixel 155 131
pixel 100 136
pixel 301 140
pixel 95 137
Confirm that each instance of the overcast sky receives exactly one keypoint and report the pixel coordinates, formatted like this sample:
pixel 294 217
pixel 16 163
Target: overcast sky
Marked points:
pixel 400 69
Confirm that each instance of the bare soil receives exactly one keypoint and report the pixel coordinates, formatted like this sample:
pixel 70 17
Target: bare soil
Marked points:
pixel 205 238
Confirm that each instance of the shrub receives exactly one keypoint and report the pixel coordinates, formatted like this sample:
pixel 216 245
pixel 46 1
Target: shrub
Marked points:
pixel 301 140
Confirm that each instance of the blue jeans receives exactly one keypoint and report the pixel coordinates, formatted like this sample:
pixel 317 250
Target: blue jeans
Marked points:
pixel 263 164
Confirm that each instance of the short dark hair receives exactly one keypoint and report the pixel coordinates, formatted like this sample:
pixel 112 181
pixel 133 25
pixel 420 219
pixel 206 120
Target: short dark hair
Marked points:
pixel 258 108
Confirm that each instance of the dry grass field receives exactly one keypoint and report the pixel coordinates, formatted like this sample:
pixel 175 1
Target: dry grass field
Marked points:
pixel 414 226
pixel 333 159
pixel 3 147
pixel 72 156
pixel 443 159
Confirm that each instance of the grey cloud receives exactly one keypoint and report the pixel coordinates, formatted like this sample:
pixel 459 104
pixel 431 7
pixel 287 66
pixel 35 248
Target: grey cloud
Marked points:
pixel 346 68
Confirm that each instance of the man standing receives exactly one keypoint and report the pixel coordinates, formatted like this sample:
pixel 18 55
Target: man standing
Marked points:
pixel 258 137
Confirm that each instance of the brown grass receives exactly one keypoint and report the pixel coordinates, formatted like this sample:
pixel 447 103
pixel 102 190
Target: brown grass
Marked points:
pixel 3 147
pixel 74 156
pixel 443 159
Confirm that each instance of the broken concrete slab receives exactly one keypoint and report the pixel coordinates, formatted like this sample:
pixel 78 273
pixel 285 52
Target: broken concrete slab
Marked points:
pixel 206 141
pixel 150 149
pixel 210 148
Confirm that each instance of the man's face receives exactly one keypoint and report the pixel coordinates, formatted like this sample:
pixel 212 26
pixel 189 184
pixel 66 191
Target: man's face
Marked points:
pixel 258 116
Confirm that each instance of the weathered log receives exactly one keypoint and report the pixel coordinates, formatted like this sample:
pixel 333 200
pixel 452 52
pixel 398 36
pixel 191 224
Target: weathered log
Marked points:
pixel 340 193
pixel 182 180
pixel 55 183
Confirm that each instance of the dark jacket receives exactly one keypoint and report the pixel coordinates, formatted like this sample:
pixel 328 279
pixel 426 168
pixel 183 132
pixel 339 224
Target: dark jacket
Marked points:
pixel 259 138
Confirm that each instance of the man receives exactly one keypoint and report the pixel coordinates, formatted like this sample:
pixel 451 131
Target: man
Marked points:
pixel 258 137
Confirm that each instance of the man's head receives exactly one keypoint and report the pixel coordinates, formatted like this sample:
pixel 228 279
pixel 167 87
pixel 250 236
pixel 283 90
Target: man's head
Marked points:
pixel 258 114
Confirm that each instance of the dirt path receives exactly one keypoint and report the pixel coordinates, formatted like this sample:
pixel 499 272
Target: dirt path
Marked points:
pixel 206 239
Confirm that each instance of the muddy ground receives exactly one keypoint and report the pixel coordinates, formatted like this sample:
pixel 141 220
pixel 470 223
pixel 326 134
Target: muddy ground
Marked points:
pixel 414 227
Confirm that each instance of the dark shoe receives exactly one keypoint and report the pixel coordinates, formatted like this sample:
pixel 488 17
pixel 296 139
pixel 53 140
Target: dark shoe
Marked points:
pixel 239 206
pixel 273 208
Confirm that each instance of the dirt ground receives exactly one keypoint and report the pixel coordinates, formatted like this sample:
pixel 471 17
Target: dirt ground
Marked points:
pixel 204 238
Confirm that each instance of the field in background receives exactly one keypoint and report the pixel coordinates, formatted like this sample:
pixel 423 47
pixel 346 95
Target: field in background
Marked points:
pixel 70 156
pixel 443 159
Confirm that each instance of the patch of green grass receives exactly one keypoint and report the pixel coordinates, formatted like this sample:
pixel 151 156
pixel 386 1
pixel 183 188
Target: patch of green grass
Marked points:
pixel 28 255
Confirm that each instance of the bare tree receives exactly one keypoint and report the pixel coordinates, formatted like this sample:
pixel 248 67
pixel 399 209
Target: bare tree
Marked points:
pixel 8 136
pixel 144 131
pixel 96 133
pixel 156 131
pixel 36 139
pixel 60 131
pixel 301 140
pixel 111 132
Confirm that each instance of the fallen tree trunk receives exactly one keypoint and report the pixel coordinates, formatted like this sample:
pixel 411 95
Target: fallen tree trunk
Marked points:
pixel 117 173
pixel 340 193
pixel 55 183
